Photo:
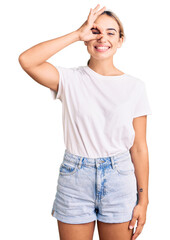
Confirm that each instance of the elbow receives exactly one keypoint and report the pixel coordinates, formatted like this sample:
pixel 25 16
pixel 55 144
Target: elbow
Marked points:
pixel 139 148
pixel 19 58
pixel 22 61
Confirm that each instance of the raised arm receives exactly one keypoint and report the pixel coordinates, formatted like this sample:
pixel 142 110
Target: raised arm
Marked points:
pixel 33 60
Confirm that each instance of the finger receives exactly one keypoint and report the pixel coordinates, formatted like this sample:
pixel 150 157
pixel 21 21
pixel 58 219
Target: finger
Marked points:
pixel 132 222
pixel 100 11
pixel 96 14
pixel 90 12
pixel 90 16
pixel 137 231
pixel 100 28
pixel 93 15
pixel 98 5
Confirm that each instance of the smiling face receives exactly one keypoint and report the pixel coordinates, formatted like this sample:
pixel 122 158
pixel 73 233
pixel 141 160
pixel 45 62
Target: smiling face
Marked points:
pixel 108 42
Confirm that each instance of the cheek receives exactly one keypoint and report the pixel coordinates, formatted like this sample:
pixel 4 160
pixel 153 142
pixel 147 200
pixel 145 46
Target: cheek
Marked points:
pixel 114 41
pixel 90 48
pixel 114 46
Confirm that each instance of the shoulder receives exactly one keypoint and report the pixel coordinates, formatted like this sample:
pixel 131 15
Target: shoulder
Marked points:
pixel 135 86
pixel 69 70
pixel 135 80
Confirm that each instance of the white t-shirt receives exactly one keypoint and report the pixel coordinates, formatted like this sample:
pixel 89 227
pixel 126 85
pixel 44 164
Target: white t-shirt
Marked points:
pixel 98 110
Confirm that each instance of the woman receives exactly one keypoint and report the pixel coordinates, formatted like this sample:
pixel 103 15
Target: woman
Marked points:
pixel 104 172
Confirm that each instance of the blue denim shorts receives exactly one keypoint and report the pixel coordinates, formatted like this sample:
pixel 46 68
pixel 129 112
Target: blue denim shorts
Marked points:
pixel 90 189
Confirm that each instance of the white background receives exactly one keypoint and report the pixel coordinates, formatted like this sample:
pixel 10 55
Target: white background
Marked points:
pixel 31 132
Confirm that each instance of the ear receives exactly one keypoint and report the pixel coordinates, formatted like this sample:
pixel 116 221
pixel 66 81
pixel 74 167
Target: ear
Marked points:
pixel 120 42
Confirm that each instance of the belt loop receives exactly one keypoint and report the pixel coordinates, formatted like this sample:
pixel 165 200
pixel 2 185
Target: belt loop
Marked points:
pixel 112 160
pixel 79 164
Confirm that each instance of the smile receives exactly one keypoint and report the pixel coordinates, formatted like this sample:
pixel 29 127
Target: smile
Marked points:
pixel 101 49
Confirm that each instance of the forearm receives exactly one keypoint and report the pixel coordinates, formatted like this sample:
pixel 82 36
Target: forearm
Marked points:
pixel 141 164
pixel 39 53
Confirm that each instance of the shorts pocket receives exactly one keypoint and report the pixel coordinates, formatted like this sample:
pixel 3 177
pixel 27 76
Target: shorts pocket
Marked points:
pixel 125 166
pixel 67 168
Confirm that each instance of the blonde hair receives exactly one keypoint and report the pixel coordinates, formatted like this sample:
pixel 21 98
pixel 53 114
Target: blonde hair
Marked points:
pixel 121 29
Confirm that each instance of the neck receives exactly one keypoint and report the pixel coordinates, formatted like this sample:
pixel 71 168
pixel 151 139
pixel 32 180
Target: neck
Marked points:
pixel 104 67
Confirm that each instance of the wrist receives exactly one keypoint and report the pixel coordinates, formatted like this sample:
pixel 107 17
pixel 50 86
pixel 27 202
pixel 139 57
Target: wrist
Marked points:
pixel 77 35
pixel 143 202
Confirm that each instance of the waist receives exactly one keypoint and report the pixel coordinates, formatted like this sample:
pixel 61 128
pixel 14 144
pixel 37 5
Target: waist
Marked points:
pixel 116 157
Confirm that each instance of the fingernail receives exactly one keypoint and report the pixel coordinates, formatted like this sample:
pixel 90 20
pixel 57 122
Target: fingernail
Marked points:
pixel 131 227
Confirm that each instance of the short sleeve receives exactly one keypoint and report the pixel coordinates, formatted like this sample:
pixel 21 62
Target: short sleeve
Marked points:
pixel 58 94
pixel 141 103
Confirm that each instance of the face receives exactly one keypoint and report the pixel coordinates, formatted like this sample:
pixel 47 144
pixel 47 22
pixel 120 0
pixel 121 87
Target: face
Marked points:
pixel 109 38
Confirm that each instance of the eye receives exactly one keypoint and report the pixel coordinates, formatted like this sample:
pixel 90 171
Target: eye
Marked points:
pixel 111 33
pixel 94 32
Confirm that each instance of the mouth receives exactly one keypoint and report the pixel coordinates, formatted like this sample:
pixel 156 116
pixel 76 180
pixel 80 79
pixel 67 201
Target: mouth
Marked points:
pixel 102 49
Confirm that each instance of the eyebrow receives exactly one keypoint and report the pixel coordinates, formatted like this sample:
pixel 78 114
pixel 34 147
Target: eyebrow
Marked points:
pixel 111 29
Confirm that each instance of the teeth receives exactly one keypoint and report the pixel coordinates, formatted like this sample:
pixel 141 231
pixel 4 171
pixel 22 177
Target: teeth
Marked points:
pixel 102 47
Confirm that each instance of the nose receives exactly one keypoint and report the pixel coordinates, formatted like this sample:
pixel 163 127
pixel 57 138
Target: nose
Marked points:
pixel 101 38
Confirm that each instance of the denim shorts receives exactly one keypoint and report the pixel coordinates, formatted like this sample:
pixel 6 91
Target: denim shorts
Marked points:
pixel 90 189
